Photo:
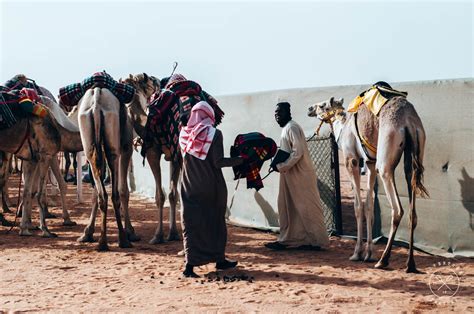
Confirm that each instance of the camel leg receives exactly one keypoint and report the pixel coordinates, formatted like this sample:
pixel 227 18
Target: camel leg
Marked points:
pixel 62 189
pixel 388 156
pixel 369 210
pixel 173 198
pixel 125 194
pixel 4 174
pixel 88 234
pixel 67 165
pixel 352 166
pixel 102 203
pixel 153 158
pixel 30 175
pixel 408 166
pixel 44 199
pixel 113 162
pixel 43 168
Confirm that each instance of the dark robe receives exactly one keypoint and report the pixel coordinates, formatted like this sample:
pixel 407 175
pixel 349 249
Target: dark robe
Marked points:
pixel 204 202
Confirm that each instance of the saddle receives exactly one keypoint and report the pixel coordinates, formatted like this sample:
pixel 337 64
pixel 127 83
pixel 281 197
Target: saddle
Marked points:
pixel 374 98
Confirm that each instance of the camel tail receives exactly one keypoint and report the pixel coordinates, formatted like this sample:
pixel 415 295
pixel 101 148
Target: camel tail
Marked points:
pixel 417 137
pixel 97 121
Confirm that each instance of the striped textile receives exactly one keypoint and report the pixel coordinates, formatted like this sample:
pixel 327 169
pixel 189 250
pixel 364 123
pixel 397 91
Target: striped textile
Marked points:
pixel 70 95
pixel 170 109
pixel 254 148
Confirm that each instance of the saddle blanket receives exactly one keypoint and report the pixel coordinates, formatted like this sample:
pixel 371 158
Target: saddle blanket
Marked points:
pixel 255 148
pixel 374 98
pixel 70 95
pixel 168 111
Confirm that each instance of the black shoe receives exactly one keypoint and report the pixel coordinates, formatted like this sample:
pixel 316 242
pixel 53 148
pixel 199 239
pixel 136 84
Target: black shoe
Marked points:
pixel 189 272
pixel 308 248
pixel 226 264
pixel 277 246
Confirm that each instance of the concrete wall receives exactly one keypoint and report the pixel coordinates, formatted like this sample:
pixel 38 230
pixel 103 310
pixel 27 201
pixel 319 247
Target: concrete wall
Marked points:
pixel 446 108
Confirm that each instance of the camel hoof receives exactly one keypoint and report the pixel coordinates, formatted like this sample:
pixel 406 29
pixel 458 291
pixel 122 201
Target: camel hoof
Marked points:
pixel 69 223
pixel 102 247
pixel 49 215
pixel 125 244
pixel 381 265
pixel 47 234
pixel 413 270
pixel 86 238
pixel 369 259
pixel 25 233
pixel 355 258
pixel 132 237
pixel 157 240
pixel 173 236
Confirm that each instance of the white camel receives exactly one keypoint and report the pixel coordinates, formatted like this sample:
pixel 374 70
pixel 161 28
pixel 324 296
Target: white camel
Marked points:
pixel 106 130
pixel 397 129
pixel 145 86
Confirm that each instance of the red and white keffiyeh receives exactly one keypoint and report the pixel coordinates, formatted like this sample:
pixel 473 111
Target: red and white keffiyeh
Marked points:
pixel 196 138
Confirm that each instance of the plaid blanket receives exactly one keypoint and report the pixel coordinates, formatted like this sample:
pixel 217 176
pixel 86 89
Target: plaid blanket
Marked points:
pixel 15 104
pixel 169 110
pixel 70 95
pixel 20 81
pixel 254 148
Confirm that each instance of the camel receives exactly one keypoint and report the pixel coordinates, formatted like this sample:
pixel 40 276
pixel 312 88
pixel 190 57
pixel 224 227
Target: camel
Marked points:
pixel 145 86
pixel 113 139
pixel 36 140
pixel 397 129
pixel 65 122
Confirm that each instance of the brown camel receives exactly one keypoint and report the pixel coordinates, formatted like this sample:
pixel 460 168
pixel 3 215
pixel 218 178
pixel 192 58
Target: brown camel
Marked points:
pixel 145 86
pixel 395 131
pixel 36 140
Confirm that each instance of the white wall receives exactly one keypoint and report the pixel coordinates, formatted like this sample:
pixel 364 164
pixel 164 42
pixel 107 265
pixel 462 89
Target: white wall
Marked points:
pixel 447 111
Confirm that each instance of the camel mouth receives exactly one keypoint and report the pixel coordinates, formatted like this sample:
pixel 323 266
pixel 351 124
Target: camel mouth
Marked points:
pixel 311 112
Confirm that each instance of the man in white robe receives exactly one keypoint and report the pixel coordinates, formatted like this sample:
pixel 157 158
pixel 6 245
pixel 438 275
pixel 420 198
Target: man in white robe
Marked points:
pixel 299 206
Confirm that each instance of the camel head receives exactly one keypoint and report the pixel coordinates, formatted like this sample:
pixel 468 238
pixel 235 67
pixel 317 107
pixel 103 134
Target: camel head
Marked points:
pixel 326 108
pixel 327 111
pixel 143 84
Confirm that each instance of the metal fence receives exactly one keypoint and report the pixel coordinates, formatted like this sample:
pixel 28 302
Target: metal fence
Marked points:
pixel 324 153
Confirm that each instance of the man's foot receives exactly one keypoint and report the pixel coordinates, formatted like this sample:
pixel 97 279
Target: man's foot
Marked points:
pixel 189 272
pixel 308 247
pixel 277 246
pixel 226 264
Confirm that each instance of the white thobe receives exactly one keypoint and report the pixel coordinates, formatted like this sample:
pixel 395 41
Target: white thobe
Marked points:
pixel 299 205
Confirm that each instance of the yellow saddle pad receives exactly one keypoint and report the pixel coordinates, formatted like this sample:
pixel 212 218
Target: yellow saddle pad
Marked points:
pixel 371 98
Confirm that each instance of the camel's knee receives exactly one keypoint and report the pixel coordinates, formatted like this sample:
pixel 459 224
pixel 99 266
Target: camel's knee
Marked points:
pixel 351 163
pixel 172 196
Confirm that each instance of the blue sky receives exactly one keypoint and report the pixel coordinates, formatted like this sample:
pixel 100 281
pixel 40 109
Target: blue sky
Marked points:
pixel 234 47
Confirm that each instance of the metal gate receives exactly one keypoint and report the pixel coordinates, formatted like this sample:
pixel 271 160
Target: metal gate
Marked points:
pixel 324 153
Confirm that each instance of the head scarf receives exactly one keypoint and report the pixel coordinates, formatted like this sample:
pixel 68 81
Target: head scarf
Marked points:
pixel 196 137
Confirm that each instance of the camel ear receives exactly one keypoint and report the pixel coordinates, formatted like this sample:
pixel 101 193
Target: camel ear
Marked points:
pixel 145 77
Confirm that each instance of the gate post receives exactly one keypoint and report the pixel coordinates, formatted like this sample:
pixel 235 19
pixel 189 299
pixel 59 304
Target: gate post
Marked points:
pixel 337 185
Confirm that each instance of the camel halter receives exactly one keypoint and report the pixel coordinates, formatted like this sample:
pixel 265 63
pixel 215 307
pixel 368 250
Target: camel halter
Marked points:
pixel 328 117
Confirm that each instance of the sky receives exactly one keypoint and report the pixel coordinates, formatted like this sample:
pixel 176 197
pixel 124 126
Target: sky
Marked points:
pixel 238 47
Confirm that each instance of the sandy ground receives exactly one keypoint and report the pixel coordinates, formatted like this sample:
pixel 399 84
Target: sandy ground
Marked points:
pixel 61 274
